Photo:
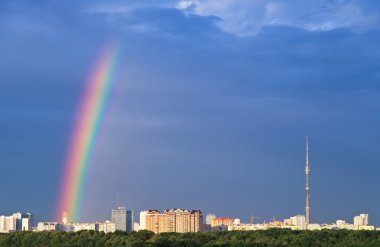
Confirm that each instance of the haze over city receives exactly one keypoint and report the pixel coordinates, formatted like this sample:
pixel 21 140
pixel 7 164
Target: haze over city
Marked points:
pixel 209 108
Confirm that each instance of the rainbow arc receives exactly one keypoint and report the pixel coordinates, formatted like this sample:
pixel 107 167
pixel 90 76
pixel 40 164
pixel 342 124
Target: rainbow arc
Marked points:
pixel 89 118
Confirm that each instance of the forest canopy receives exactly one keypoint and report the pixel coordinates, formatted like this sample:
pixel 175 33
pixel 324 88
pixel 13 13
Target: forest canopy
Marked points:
pixel 267 238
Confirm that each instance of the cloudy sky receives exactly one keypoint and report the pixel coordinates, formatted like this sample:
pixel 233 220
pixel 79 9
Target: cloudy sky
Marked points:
pixel 209 111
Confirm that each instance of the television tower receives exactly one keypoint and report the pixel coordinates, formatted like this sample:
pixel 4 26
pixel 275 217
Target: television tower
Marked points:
pixel 307 171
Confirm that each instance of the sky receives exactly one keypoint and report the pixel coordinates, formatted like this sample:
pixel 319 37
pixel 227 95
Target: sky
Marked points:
pixel 210 109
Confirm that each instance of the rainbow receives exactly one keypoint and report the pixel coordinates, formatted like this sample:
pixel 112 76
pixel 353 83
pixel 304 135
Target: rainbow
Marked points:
pixel 83 139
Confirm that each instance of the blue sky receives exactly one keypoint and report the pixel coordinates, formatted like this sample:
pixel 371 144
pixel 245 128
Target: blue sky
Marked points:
pixel 210 109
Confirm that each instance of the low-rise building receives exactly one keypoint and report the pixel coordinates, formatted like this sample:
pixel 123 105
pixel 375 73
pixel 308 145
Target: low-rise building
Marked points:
pixel 49 226
pixel 297 222
pixel 106 227
pixel 221 221
pixel 246 227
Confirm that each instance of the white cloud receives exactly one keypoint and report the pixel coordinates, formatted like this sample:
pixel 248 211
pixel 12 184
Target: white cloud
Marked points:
pixel 247 17
pixel 344 16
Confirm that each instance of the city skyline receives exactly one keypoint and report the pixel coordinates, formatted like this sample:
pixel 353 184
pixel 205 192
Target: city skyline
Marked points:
pixel 174 220
pixel 209 105
pixel 123 219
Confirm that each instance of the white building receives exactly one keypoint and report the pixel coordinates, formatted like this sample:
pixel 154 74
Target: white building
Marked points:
pixel 341 224
pixel 246 227
pixel 26 224
pixel 143 220
pixel 299 221
pixel 83 226
pixel 136 227
pixel 361 220
pixel 106 227
pixel 2 223
pixel 209 217
pixel 368 228
pixel 16 222
pixel 236 221
pixel 49 226
pixel 10 223
pixel 314 227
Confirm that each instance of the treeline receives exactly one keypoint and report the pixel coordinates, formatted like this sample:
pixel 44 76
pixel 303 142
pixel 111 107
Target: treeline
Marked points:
pixel 267 238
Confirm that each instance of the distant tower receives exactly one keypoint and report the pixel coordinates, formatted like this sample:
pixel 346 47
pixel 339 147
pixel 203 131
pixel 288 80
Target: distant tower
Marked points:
pixel 307 171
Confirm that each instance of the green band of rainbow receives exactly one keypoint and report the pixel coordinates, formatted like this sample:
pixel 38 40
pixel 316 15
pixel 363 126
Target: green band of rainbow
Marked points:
pixel 90 115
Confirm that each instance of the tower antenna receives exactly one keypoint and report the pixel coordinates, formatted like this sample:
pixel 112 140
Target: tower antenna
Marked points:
pixel 307 171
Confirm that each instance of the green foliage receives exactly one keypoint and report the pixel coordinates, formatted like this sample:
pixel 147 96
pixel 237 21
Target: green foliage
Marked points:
pixel 267 238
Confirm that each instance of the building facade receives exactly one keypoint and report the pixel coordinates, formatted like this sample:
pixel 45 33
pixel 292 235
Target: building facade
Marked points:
pixel 209 217
pixel 123 219
pixel 173 220
pixel 361 220
pixel 50 226
pixel 106 227
pixel 221 221
pixel 298 220
pixel 119 218
pixel 142 220
pixel 16 222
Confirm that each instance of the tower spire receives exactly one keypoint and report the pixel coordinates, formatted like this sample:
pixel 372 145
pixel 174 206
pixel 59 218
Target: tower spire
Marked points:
pixel 307 171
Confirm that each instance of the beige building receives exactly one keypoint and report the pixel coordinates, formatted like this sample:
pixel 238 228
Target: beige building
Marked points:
pixel 106 227
pixel 297 222
pixel 49 226
pixel 215 222
pixel 174 220
pixel 15 222
pixel 361 220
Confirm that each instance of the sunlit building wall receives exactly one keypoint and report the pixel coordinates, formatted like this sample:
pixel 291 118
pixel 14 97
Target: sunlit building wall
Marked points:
pixel 174 220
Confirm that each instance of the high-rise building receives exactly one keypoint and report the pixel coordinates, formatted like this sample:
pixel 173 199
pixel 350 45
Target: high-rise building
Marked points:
pixel 154 221
pixel 26 222
pixel 16 222
pixel 130 220
pixel 7 223
pixel 174 220
pixel 119 218
pixel 361 220
pixel 142 220
pixel 123 219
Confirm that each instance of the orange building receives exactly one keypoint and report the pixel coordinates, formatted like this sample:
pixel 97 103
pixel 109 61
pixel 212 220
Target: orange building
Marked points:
pixel 174 220
pixel 222 222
